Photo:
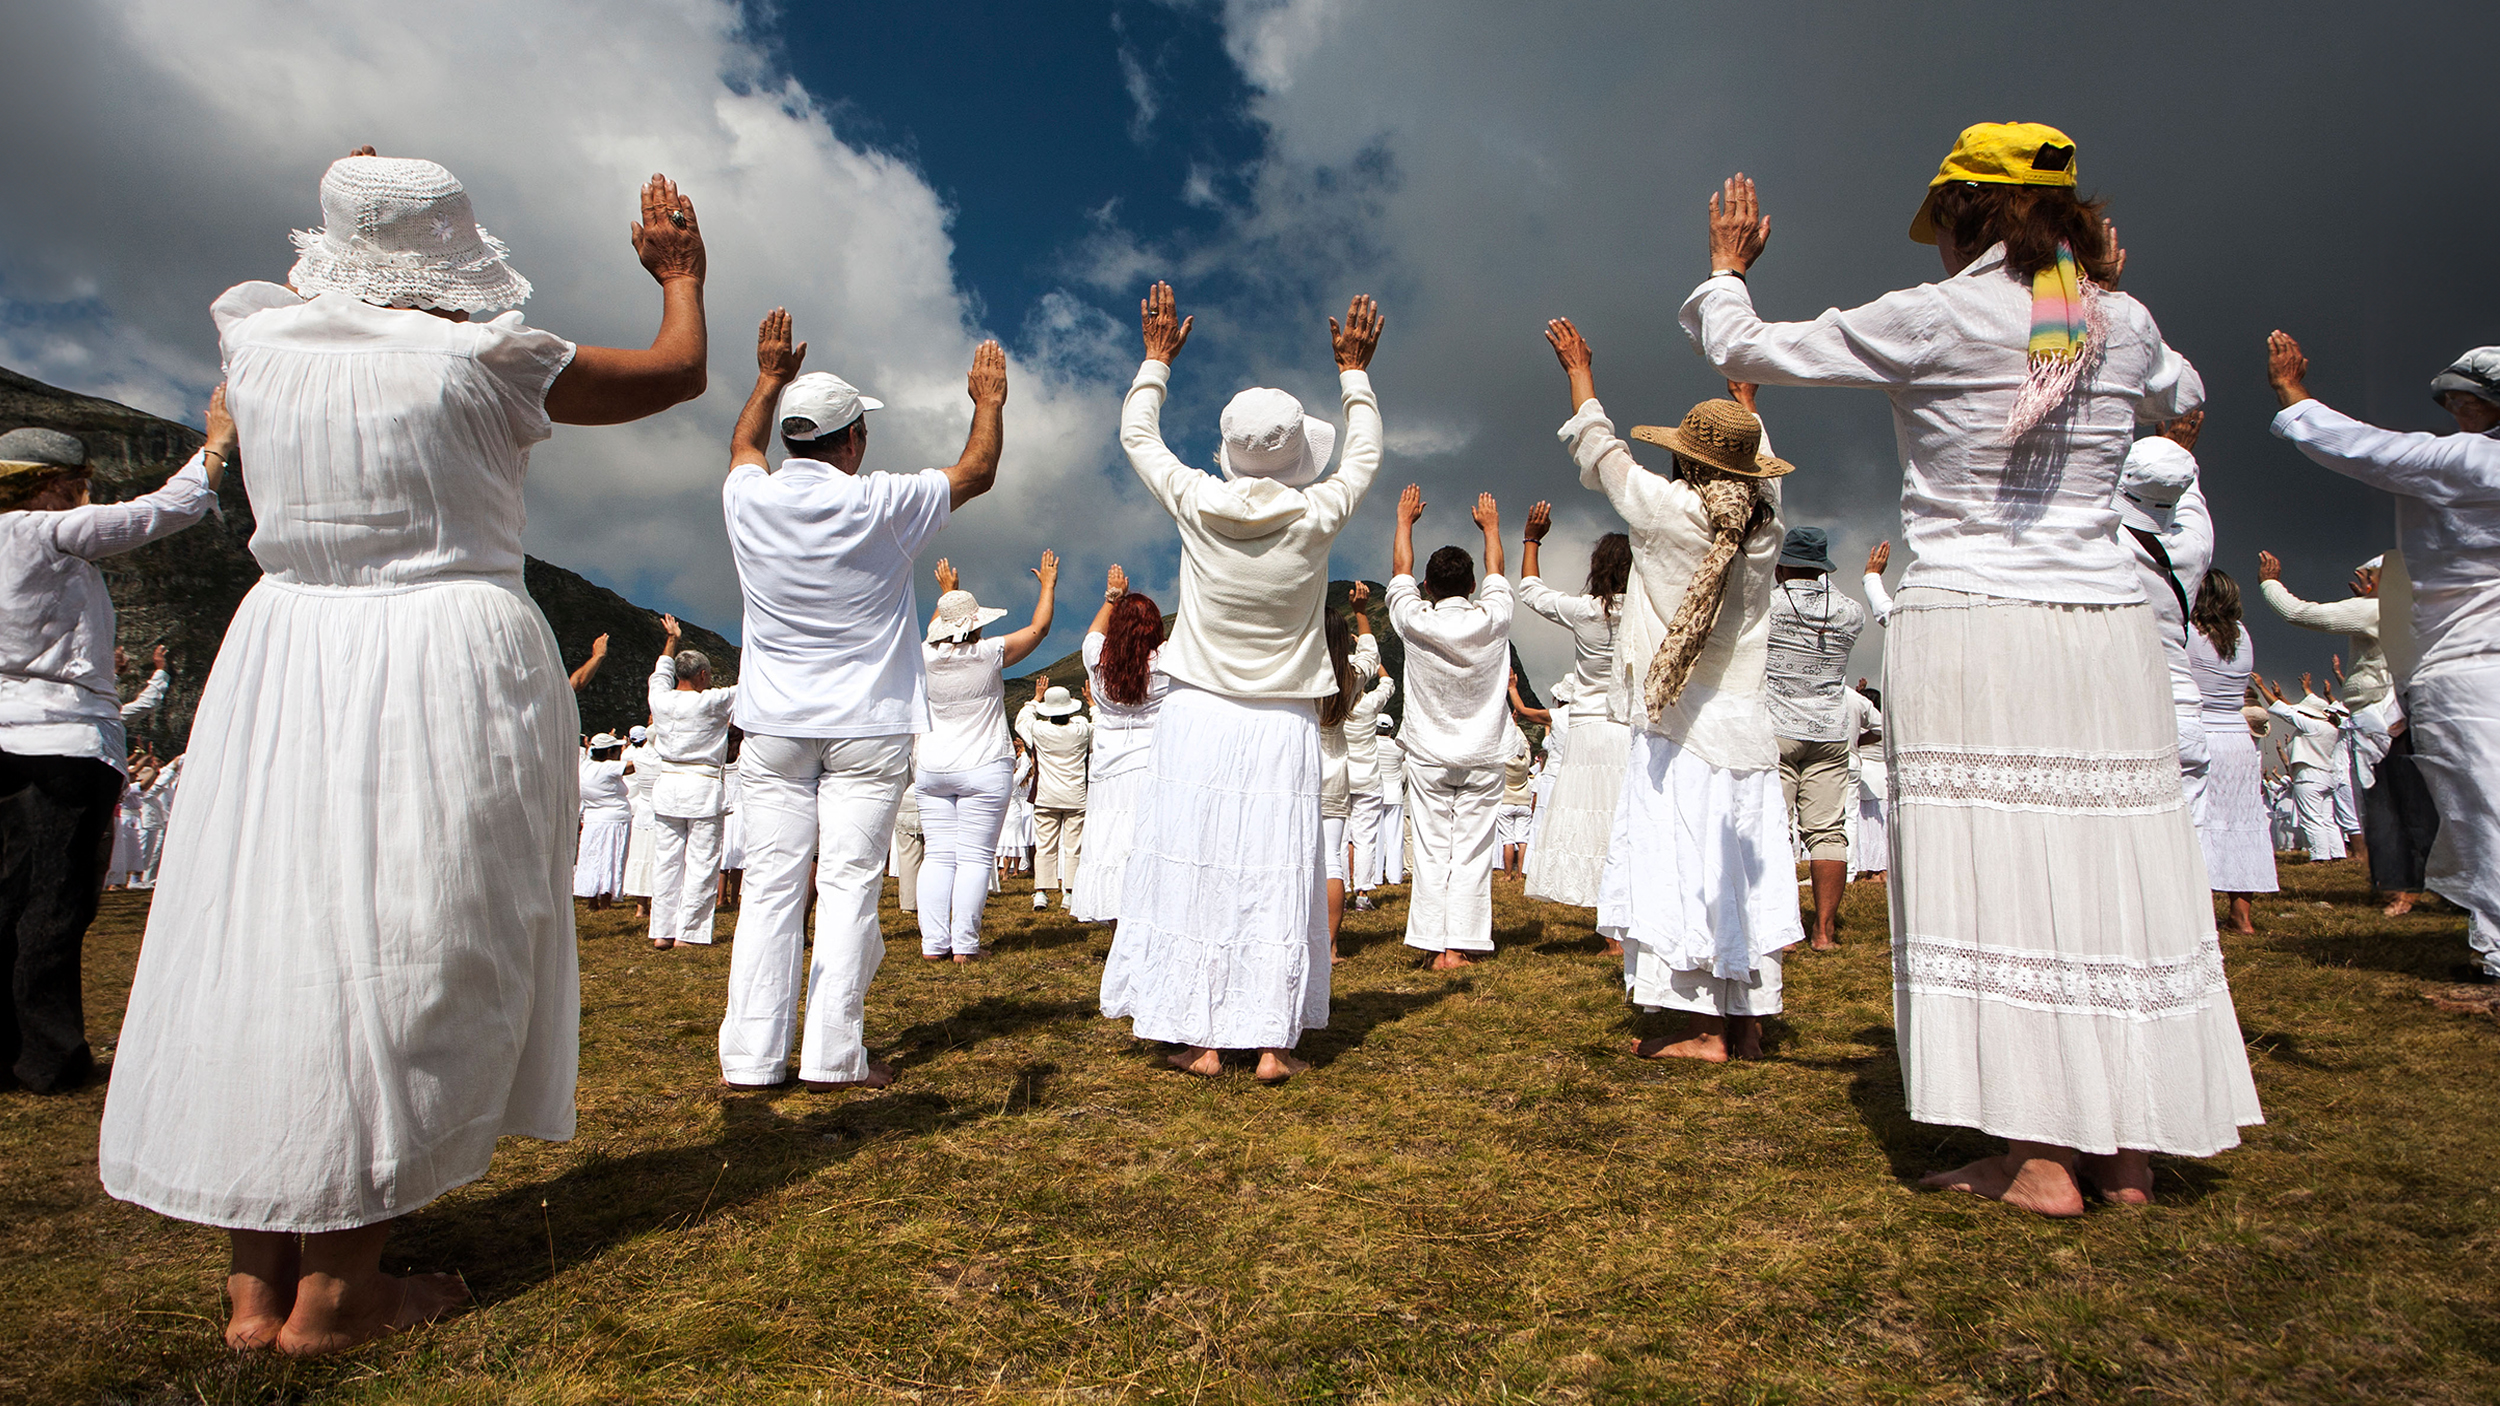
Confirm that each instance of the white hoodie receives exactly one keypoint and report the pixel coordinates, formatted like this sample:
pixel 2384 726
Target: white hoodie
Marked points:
pixel 1254 553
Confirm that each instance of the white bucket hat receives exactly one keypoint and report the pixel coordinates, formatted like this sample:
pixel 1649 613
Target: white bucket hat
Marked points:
pixel 605 740
pixel 1266 435
pixel 398 232
pixel 639 734
pixel 821 403
pixel 959 614
pixel 2156 474
pixel 1057 703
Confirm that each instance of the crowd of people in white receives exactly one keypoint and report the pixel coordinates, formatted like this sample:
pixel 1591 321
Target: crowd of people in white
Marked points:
pixel 395 839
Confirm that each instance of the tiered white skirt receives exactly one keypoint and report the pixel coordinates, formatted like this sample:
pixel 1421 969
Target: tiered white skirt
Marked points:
pixel 1568 861
pixel 2237 833
pixel 1223 938
pixel 599 866
pixel 1111 799
pixel 2056 974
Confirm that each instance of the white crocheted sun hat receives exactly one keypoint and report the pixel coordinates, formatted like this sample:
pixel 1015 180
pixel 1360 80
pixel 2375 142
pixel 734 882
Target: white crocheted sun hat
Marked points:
pixel 398 232
pixel 959 613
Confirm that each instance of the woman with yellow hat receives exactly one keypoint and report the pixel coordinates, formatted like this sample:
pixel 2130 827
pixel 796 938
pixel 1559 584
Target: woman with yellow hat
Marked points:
pixel 2057 979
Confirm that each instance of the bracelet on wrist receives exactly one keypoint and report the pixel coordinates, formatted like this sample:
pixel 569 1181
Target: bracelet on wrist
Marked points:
pixel 1737 274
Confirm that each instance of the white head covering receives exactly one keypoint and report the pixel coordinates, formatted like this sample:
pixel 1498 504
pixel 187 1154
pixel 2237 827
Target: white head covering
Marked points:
pixel 1384 723
pixel 639 734
pixel 2157 473
pixel 398 232
pixel 1266 435
pixel 1057 703
pixel 605 740
pixel 2475 373
pixel 821 403
pixel 959 614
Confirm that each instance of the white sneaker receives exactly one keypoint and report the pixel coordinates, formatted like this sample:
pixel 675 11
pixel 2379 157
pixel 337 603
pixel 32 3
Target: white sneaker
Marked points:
pixel 1041 900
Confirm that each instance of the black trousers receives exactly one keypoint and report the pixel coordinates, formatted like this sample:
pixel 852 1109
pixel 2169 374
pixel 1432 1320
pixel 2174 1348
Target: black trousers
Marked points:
pixel 2398 820
pixel 56 837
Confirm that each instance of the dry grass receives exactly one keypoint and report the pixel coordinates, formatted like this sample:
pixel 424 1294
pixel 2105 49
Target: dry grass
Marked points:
pixel 1476 1196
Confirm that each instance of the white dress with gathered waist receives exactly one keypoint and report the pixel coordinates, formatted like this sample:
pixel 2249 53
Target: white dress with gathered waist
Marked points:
pixel 359 969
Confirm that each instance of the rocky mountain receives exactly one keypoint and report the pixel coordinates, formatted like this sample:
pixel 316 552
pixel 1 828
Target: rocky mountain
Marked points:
pixel 182 591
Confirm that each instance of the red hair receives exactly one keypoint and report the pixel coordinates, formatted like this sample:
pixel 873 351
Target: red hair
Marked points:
pixel 1136 628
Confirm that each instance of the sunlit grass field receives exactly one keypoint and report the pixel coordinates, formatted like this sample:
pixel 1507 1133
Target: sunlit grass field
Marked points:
pixel 1476 1195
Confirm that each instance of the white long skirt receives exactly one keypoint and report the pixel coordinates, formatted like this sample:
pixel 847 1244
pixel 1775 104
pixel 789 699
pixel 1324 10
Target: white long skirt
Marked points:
pixel 642 845
pixel 599 866
pixel 733 842
pixel 1111 798
pixel 2236 832
pixel 359 971
pixel 1567 864
pixel 1701 886
pixel 1223 939
pixel 2056 976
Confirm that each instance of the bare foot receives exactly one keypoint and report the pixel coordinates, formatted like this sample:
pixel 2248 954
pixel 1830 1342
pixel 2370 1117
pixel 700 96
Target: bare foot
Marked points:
pixel 735 1087
pixel 1276 1066
pixel 662 944
pixel 2037 1184
pixel 877 1077
pixel 933 956
pixel 967 958
pixel 1451 961
pixel 1712 1048
pixel 260 1311
pixel 1335 961
pixel 2124 1178
pixel 2398 906
pixel 1825 944
pixel 1614 947
pixel 333 1315
pixel 1206 1064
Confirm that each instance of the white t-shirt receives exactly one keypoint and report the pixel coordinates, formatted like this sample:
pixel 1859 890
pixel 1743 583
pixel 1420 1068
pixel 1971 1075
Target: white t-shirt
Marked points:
pixel 832 644
pixel 603 791
pixel 967 706
pixel 1457 668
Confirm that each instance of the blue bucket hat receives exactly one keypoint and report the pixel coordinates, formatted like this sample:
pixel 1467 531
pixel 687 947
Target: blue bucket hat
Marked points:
pixel 1809 547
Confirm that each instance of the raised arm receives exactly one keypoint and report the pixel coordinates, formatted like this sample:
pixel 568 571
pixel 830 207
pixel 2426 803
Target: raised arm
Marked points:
pixel 1114 586
pixel 1026 640
pixel 153 694
pixel 2436 468
pixel 1335 498
pixel 1880 344
pixel 96 530
pixel 1540 518
pixel 972 475
pixel 611 385
pixel 1542 717
pixel 2354 615
pixel 777 364
pixel 1402 542
pixel 1488 515
pixel 1878 600
pixel 1141 413
pixel 590 667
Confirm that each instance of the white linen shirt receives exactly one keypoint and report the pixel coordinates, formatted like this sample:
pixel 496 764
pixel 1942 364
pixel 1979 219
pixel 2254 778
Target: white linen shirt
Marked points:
pixel 1592 626
pixel 1457 673
pixel 1813 628
pixel 2366 679
pixel 604 793
pixel 690 732
pixel 1362 726
pixel 831 634
pixel 1392 757
pixel 58 696
pixel 2313 731
pixel 2447 489
pixel 1254 553
pixel 1063 748
pixel 2034 520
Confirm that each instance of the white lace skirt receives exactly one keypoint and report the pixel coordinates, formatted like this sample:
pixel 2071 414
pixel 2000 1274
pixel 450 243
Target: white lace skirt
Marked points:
pixel 599 865
pixel 1111 796
pixel 1223 938
pixel 2237 833
pixel 1568 860
pixel 2056 977
pixel 642 844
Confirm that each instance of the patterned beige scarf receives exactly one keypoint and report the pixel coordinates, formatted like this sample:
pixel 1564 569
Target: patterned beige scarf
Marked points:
pixel 1734 503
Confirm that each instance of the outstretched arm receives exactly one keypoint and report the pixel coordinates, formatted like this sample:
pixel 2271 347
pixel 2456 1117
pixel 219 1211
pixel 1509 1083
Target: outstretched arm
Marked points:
pixel 1026 640
pixel 777 364
pixel 590 667
pixel 1114 586
pixel 1488 516
pixel 972 475
pixel 611 385
pixel 1402 544
pixel 1572 350
pixel 1542 717
pixel 1540 517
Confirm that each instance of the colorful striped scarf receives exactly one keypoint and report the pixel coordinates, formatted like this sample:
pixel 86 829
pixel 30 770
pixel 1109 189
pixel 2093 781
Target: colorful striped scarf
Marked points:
pixel 2063 314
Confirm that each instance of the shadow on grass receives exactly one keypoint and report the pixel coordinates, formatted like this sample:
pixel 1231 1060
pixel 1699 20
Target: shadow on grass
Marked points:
pixel 987 1018
pixel 1354 1015
pixel 1043 935
pixel 2403 950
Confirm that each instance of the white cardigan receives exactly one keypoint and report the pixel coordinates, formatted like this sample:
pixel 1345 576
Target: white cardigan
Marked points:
pixel 1254 553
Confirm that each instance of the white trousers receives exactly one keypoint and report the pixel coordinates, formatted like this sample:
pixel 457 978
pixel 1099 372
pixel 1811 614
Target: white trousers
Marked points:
pixel 2455 711
pixel 2196 758
pixel 1362 827
pixel 1702 992
pixel 1392 842
pixel 1058 839
pixel 831 800
pixel 2313 800
pixel 1332 848
pixel 1451 905
pixel 904 862
pixel 685 878
pixel 960 816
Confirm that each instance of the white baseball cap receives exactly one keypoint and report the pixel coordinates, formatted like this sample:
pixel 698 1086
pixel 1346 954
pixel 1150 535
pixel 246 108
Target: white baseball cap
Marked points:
pixel 821 403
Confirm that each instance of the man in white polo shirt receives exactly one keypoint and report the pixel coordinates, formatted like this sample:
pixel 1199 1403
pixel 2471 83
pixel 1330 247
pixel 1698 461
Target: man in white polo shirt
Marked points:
pixel 830 695
pixel 690 734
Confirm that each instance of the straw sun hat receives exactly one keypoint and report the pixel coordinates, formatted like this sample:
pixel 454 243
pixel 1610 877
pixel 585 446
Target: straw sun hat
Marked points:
pixel 398 232
pixel 959 613
pixel 1722 434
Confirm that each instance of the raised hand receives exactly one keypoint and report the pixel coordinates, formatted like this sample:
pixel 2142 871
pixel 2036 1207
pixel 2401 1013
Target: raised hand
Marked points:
pixel 222 440
pixel 775 358
pixel 2365 581
pixel 674 631
pixel 1487 514
pixel 2336 661
pixel 364 151
pixel 1742 392
pixel 1360 336
pixel 668 240
pixel 1114 583
pixel 2306 686
pixel 1048 572
pixel 1578 361
pixel 1041 686
pixel 2117 256
pixel 1540 521
pixel 1166 330
pixel 946 577
pixel 2287 371
pixel 986 383
pixel 2183 431
pixel 2269 567
pixel 1877 558
pixel 599 647
pixel 1738 228
pixel 1410 504
pixel 1358 593
pixel 157 657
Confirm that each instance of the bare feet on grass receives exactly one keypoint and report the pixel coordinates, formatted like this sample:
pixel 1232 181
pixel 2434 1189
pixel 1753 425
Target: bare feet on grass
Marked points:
pixel 261 1286
pixel 1711 1047
pixel 878 1076
pixel 1451 961
pixel 333 1314
pixel 2032 1176
pixel 1206 1064
pixel 1709 1038
pixel 1276 1066
pixel 1614 947
pixel 2398 906
pixel 2124 1178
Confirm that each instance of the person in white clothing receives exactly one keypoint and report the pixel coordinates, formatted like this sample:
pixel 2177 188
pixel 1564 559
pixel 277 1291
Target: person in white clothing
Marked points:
pixel 2447 491
pixel 1223 940
pixel 1870 848
pixel 1457 731
pixel 607 816
pixel 2169 531
pixel 1813 629
pixel 1355 663
pixel 690 746
pixel 2033 742
pixel 1014 850
pixel 1362 752
pixel 2239 853
pixel 1700 882
pixel 1516 814
pixel 2367 685
pixel 360 970
pixel 642 840
pixel 2313 723
pixel 831 691
pixel 1125 679
pixel 1392 846
pixel 156 808
pixel 733 830
pixel 910 848
pixel 1569 859
pixel 967 763
pixel 1051 723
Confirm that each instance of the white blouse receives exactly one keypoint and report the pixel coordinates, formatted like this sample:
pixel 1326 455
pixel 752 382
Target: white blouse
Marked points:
pixel 1109 713
pixel 967 706
pixel 1592 626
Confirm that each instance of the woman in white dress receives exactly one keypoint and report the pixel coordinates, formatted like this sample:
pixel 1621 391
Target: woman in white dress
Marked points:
pixel 1122 653
pixel 362 969
pixel 965 765
pixel 1870 848
pixel 2034 745
pixel 1223 940
pixel 607 815
pixel 1569 856
pixel 1015 829
pixel 642 838
pixel 2235 830
pixel 1354 662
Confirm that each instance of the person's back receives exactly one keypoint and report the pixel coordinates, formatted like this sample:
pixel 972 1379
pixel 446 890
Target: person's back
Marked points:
pixel 1062 745
pixel 1457 671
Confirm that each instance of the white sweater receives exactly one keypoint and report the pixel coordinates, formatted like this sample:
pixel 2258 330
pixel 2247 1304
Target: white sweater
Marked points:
pixel 1254 553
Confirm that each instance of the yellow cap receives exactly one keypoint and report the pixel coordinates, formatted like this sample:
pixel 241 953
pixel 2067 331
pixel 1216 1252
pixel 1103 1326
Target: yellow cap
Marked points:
pixel 2000 153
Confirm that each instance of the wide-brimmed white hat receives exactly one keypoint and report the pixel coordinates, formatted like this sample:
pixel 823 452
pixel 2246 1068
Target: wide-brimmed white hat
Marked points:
pixel 1056 703
pixel 2157 473
pixel 821 403
pixel 1266 435
pixel 959 614
pixel 398 232
pixel 605 740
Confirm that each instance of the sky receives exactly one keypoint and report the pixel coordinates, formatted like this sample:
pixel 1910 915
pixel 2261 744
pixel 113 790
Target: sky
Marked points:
pixel 910 178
